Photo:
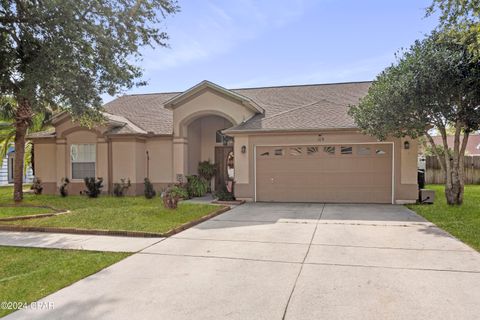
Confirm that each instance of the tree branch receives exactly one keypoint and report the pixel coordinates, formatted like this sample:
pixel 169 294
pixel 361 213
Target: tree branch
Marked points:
pixel 441 159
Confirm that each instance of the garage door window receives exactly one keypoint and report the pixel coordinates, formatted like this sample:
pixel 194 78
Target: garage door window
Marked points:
pixel 329 150
pixel 363 151
pixel 311 151
pixel 296 151
pixel 380 152
pixel 265 154
pixel 278 152
pixel 346 150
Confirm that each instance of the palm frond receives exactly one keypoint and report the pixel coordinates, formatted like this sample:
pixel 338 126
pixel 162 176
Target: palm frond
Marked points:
pixel 5 142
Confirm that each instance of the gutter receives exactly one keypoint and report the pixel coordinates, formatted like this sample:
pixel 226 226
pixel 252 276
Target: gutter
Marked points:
pixel 309 130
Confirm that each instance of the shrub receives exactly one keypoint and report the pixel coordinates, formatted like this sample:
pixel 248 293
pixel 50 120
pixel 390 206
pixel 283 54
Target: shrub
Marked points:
pixel 224 195
pixel 94 187
pixel 64 187
pixel 196 186
pixel 149 191
pixel 172 195
pixel 37 186
pixel 207 170
pixel 120 188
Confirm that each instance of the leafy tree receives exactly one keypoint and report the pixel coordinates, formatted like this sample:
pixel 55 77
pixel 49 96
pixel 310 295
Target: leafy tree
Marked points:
pixel 460 19
pixel 67 53
pixel 433 84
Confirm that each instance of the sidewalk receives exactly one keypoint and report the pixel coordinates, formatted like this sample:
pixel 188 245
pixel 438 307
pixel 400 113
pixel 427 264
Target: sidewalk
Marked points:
pixel 75 241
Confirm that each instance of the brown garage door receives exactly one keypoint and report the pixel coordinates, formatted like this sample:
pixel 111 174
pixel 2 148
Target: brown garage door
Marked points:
pixel 345 173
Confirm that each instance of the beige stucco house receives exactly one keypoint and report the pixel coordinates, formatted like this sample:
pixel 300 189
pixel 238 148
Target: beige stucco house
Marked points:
pixel 286 143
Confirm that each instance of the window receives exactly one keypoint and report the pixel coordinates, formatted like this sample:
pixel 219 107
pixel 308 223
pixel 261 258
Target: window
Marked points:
pixel 312 151
pixel 380 152
pixel 218 137
pixel 278 152
pixel 329 150
pixel 265 154
pixel 222 138
pixel 297 151
pixel 83 160
pixel 363 151
pixel 346 150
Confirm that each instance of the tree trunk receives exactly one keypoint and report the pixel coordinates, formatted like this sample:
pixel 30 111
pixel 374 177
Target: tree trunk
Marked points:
pixel 23 117
pixel 455 186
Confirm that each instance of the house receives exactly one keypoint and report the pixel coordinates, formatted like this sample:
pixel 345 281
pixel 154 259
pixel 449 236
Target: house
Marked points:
pixel 285 143
pixel 6 169
pixel 473 144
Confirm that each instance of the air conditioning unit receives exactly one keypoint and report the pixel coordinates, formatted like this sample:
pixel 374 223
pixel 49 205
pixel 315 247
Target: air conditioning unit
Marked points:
pixel 426 196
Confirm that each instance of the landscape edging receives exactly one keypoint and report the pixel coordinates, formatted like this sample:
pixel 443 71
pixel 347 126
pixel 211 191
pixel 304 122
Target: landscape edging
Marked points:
pixel 121 233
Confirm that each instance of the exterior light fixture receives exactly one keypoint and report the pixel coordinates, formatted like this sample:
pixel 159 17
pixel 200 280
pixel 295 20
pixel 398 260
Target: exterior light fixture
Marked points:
pixel 244 149
pixel 406 145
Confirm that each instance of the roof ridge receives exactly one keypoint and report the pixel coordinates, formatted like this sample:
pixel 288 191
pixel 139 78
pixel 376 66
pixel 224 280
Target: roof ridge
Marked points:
pixel 304 85
pixel 249 88
pixel 297 108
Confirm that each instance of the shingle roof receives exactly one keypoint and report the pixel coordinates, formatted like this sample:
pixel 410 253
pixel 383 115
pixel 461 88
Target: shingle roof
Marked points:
pixel 42 134
pixel 318 106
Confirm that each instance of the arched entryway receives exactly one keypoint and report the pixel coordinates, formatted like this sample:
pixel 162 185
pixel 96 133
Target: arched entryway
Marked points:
pixel 205 142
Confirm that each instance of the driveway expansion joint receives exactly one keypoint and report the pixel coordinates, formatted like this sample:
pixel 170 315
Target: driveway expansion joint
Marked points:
pixel 301 265
pixel 389 248
pixel 387 267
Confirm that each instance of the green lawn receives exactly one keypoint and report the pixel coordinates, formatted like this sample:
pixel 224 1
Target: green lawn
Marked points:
pixel 28 274
pixel 109 213
pixel 21 211
pixel 461 221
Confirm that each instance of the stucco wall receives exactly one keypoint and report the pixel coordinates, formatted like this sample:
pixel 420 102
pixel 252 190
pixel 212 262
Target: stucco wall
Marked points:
pixel 204 103
pixel 45 161
pixel 161 159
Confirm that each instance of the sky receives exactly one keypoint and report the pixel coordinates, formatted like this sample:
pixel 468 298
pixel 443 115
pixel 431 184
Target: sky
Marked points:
pixel 251 43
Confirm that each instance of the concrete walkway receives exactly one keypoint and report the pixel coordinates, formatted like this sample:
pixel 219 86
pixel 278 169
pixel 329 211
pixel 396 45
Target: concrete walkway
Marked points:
pixel 75 241
pixel 286 261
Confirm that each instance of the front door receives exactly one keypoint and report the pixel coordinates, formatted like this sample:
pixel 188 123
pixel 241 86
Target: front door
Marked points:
pixel 224 162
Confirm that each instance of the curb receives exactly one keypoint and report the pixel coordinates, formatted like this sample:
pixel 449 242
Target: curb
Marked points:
pixel 120 233
pixel 34 216
pixel 229 203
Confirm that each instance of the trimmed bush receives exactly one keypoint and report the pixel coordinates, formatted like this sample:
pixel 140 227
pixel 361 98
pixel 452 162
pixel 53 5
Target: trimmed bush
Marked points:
pixel 172 195
pixel 64 187
pixel 37 186
pixel 119 189
pixel 149 191
pixel 224 195
pixel 94 187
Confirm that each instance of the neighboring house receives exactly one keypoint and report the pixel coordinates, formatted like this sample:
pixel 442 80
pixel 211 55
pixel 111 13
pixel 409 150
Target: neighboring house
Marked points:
pixel 286 143
pixel 6 169
pixel 473 144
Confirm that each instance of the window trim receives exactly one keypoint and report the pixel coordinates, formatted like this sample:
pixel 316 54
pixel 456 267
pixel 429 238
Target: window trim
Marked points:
pixel 72 161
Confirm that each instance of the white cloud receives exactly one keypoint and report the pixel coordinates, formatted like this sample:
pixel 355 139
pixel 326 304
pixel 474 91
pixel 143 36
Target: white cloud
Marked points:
pixel 365 69
pixel 215 29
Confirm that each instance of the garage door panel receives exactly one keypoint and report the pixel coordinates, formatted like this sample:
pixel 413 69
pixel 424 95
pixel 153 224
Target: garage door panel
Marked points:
pixel 321 177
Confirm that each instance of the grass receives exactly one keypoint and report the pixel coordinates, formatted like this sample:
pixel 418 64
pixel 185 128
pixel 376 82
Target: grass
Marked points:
pixel 28 274
pixel 462 221
pixel 108 213
pixel 14 211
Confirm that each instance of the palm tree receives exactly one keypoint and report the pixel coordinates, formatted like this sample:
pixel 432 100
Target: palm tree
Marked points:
pixel 40 122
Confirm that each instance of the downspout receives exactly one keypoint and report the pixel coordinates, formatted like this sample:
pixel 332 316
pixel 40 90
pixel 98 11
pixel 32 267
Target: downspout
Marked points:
pixel 148 165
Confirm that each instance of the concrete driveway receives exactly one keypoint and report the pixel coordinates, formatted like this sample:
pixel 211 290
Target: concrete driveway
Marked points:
pixel 286 261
